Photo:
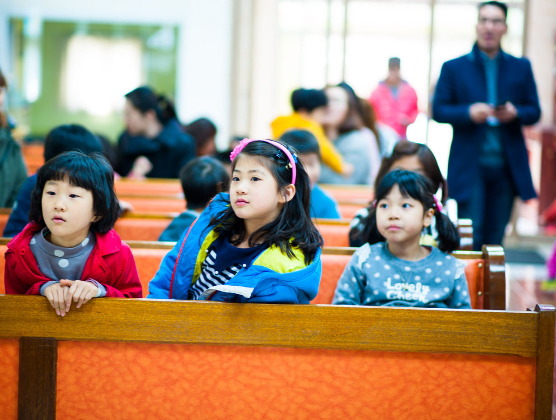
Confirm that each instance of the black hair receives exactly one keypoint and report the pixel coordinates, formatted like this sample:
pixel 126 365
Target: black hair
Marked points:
pixel 418 187
pixel 406 148
pixel 70 137
pixel 202 130
pixel 146 99
pixel 293 227
pixel 394 63
pixel 91 172
pixel 499 4
pixel 308 99
pixel 303 141
pixel 201 179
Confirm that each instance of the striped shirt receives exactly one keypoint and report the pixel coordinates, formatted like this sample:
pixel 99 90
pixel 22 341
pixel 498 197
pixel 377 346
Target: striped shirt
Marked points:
pixel 222 263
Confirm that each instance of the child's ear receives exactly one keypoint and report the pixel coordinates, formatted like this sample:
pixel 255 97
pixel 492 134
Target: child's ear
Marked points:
pixel 95 218
pixel 288 193
pixel 427 218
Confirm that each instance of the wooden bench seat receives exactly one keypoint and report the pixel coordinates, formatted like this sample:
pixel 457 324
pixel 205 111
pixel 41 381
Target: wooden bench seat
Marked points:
pixel 143 359
pixel 485 271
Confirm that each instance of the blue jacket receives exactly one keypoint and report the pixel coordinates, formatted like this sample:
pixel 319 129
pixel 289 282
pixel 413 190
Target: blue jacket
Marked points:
pixel 323 205
pixel 272 277
pixel 19 217
pixel 462 82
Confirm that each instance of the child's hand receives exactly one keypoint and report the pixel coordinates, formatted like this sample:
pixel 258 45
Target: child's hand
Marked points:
pixel 56 295
pixel 80 291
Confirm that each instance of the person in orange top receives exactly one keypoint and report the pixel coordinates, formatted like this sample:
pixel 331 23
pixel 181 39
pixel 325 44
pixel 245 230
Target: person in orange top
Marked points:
pixel 309 106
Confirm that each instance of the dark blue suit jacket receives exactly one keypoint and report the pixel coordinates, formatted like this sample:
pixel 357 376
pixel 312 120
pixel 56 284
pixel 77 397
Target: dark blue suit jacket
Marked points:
pixel 462 82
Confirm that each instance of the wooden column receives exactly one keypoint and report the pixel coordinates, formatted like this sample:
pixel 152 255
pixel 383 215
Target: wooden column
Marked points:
pixel 37 378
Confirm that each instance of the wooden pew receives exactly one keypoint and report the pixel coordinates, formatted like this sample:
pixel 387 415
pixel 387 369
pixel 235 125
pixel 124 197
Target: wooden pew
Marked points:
pixel 360 194
pixel 485 273
pixel 4 216
pixel 485 270
pixel 142 226
pixel 135 358
pixel 33 156
pixel 149 186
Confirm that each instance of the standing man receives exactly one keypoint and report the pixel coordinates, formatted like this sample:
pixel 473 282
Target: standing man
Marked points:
pixel 394 100
pixel 487 96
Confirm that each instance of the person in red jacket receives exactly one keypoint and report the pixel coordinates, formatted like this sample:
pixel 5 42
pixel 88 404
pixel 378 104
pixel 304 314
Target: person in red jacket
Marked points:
pixel 69 251
pixel 394 100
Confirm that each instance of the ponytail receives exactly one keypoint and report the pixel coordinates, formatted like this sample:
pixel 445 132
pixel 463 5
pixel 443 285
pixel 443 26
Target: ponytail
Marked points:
pixel 366 231
pixel 448 235
pixel 166 110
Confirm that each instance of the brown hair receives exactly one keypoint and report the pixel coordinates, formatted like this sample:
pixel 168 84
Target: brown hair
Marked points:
pixel 353 120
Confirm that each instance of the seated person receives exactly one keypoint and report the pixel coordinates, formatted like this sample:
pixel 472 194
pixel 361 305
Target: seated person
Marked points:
pixel 201 179
pixel 64 138
pixel 392 268
pixel 204 132
pixel 322 204
pixel 310 107
pixel 153 143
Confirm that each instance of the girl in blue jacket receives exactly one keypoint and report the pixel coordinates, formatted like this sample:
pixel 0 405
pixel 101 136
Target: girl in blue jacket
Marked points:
pixel 255 244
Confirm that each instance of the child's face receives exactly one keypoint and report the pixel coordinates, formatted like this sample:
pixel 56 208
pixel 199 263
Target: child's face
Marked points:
pixel 311 163
pixel 401 219
pixel 409 163
pixel 67 211
pixel 254 193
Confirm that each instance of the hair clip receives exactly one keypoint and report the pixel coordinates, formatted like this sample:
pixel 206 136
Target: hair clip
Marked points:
pixel 437 203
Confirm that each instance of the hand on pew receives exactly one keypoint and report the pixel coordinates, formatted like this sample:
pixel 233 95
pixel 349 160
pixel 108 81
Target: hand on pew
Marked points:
pixel 61 294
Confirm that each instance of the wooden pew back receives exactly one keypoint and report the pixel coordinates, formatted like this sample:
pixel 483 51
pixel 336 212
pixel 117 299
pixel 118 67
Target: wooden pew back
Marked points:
pixel 485 271
pixel 215 360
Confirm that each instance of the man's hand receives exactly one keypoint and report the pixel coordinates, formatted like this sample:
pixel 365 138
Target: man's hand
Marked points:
pixel 505 113
pixel 479 112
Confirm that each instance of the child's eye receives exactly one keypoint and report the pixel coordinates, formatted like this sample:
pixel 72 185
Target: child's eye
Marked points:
pixel 254 178
pixel 406 205
pixel 49 192
pixel 235 179
pixel 74 196
pixel 382 205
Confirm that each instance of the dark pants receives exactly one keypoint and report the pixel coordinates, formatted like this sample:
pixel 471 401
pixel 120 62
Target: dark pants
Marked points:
pixel 490 205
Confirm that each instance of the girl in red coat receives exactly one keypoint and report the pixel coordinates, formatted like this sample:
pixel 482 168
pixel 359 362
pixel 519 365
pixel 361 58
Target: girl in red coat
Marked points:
pixel 69 250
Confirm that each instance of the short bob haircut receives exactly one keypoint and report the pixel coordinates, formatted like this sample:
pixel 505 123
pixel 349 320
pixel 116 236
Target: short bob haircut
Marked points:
pixel 201 179
pixel 91 172
pixel 308 99
pixel 293 227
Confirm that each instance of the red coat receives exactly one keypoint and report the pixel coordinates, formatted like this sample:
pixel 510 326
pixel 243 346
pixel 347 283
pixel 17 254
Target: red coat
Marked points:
pixel 110 263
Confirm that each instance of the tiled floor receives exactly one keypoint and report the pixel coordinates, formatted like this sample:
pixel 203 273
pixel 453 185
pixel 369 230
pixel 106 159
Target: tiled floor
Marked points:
pixel 527 283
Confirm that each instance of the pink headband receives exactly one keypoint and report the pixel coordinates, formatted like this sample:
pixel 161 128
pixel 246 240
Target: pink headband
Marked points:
pixel 237 150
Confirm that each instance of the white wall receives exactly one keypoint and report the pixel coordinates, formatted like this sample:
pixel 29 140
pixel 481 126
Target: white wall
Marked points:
pixel 540 49
pixel 204 46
